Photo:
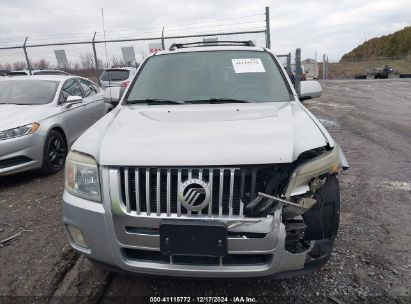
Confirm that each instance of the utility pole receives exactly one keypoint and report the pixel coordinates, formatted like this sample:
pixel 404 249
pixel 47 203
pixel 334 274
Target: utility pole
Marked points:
pixel 267 30
pixel 104 33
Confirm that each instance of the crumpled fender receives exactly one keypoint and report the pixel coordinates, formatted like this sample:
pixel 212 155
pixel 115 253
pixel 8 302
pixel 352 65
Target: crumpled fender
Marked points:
pixel 343 160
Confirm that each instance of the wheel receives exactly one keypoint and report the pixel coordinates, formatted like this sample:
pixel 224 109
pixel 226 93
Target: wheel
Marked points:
pixel 54 153
pixel 323 219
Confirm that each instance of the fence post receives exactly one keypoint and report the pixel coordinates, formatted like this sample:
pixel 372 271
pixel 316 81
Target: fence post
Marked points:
pixel 95 58
pixel 327 67
pixel 324 67
pixel 289 65
pixel 27 57
pixel 162 39
pixel 267 30
pixel 298 72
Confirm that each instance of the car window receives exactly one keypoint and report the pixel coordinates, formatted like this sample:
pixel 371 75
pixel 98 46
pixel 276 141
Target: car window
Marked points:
pixel 88 88
pixel 96 87
pixel 115 75
pixel 70 88
pixel 253 76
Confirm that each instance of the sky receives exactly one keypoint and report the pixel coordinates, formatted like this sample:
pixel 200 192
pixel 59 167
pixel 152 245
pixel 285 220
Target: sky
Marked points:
pixel 315 26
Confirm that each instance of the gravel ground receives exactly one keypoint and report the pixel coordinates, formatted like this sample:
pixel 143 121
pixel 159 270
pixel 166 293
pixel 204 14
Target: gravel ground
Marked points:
pixel 371 120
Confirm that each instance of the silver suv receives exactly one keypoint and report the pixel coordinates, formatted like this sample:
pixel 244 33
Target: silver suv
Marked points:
pixel 117 77
pixel 209 166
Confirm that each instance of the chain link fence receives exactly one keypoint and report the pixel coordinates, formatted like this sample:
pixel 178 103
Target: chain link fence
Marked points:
pixel 89 57
pixel 285 62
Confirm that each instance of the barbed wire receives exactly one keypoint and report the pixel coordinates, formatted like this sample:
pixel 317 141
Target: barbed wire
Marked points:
pixel 187 24
pixel 188 30
pixel 226 22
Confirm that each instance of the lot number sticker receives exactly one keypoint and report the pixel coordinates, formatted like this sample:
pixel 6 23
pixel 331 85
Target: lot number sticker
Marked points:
pixel 248 65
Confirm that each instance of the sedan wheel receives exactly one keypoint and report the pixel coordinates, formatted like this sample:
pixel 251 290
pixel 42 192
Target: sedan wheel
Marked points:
pixel 55 151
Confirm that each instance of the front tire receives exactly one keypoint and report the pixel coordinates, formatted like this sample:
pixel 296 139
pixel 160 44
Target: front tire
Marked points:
pixel 54 153
pixel 323 219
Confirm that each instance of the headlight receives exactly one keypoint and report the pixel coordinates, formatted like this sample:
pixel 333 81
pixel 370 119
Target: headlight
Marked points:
pixel 82 178
pixel 19 131
pixel 325 163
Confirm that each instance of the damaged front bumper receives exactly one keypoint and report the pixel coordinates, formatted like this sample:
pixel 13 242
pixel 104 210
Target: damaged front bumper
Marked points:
pixel 256 246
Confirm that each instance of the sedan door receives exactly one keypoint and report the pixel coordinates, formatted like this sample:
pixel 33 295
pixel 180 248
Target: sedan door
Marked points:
pixel 74 118
pixel 93 98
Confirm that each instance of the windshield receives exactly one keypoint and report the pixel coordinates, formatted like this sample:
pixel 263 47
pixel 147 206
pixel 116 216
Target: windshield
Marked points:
pixel 115 75
pixel 27 92
pixel 50 73
pixel 218 76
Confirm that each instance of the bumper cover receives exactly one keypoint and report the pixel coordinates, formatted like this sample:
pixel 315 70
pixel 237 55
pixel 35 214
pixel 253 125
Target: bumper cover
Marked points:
pixel 108 239
pixel 28 146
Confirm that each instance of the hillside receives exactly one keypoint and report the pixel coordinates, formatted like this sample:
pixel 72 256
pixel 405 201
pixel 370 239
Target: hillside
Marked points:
pixel 393 45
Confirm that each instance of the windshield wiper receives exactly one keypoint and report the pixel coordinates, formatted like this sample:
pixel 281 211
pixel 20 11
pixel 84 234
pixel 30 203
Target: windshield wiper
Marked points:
pixel 218 100
pixel 152 101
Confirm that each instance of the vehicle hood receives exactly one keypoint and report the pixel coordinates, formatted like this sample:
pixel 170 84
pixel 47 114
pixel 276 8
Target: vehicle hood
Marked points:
pixel 12 115
pixel 206 135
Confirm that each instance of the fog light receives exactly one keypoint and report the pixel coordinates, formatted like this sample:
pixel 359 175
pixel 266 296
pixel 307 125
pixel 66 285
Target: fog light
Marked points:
pixel 77 236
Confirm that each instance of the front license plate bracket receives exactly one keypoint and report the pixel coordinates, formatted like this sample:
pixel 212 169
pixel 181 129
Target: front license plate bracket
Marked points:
pixel 193 238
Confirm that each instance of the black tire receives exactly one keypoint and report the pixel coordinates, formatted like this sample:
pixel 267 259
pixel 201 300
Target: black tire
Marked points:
pixel 405 75
pixel 323 218
pixel 360 77
pixel 54 153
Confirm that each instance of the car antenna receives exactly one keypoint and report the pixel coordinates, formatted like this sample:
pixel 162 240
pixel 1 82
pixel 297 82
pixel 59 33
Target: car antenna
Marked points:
pixel 105 47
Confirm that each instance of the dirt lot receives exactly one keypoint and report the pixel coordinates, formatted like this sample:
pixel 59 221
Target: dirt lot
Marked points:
pixel 371 262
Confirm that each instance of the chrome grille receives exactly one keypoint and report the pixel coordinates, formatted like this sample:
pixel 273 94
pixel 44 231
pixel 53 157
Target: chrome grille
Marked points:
pixel 154 191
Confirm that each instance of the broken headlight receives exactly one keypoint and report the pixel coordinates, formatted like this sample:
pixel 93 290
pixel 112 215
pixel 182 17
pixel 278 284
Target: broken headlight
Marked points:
pixel 327 162
pixel 82 178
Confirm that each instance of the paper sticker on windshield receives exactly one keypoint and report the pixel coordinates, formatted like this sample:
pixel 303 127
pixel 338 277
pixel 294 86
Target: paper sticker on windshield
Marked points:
pixel 248 65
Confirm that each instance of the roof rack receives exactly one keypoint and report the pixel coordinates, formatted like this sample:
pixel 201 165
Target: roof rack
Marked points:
pixel 176 46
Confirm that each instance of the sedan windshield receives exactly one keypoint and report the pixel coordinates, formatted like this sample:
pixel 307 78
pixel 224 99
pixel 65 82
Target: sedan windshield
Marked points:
pixel 210 77
pixel 27 92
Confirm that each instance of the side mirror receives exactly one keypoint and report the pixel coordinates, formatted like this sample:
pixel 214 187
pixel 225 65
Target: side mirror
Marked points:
pixel 310 89
pixel 112 95
pixel 72 100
